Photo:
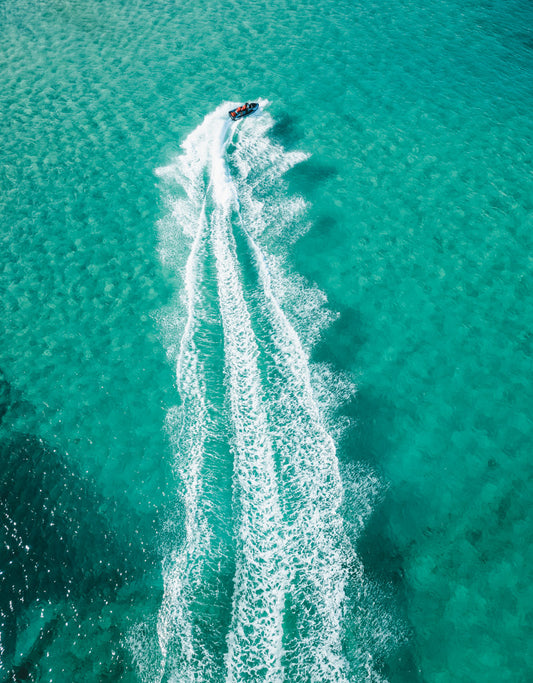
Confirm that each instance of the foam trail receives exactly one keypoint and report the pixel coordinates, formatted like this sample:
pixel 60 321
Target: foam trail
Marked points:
pixel 285 546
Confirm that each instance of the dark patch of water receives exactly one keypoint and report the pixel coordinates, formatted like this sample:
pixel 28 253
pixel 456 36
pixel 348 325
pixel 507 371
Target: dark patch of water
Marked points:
pixel 286 131
pixel 58 544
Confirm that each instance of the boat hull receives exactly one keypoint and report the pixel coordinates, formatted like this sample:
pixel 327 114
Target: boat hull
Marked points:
pixel 235 115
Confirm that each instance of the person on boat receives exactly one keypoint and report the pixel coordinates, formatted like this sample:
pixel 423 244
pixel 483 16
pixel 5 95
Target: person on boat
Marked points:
pixel 243 109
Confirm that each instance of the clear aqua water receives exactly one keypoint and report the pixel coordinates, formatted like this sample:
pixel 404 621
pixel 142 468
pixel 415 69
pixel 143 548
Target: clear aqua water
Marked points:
pixel 305 455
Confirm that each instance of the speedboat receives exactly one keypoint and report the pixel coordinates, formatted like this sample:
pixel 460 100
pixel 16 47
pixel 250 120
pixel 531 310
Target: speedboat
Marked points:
pixel 244 110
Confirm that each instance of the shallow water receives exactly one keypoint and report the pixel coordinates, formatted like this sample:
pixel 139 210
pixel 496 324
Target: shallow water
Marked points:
pixel 387 190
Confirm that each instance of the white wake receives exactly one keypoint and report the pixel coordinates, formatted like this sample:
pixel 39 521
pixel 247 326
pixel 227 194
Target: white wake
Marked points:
pixel 286 547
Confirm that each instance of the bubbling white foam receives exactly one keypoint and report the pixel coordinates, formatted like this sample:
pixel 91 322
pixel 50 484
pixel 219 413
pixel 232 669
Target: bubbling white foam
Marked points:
pixel 290 541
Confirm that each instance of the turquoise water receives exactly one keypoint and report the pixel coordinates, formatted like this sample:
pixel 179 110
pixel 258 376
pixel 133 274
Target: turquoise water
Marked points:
pixel 265 388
